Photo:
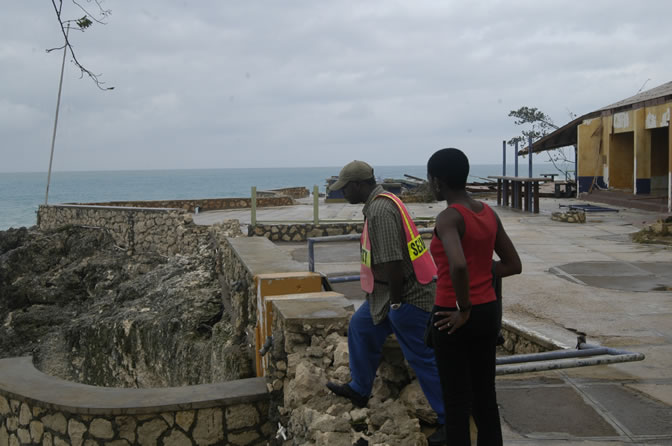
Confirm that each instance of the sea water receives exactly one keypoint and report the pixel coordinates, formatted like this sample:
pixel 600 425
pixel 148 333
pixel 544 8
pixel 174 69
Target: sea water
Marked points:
pixel 22 193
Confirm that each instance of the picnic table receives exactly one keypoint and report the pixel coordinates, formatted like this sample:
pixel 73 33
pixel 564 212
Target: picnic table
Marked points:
pixel 512 190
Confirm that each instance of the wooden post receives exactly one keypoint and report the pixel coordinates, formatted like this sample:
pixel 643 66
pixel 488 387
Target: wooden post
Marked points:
pixel 499 191
pixel 536 197
pixel 253 206
pixel 316 205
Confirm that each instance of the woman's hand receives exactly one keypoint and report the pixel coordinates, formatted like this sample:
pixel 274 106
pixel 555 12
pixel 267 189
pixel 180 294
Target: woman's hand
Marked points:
pixel 451 320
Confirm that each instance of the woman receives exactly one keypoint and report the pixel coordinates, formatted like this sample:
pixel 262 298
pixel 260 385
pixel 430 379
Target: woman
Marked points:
pixel 465 316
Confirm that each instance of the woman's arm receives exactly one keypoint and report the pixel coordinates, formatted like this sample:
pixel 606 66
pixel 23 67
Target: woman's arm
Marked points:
pixel 509 263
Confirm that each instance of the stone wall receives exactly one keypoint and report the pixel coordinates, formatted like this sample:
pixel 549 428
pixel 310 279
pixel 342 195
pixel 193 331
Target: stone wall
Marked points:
pixel 205 204
pixel 81 415
pixel 299 232
pixel 310 348
pixel 166 231
pixel 294 192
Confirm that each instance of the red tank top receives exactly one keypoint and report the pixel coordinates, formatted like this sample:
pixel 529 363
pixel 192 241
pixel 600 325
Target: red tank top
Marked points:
pixel 478 244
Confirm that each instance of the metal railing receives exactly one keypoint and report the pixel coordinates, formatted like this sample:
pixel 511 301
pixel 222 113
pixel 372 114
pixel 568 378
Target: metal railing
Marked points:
pixel 340 238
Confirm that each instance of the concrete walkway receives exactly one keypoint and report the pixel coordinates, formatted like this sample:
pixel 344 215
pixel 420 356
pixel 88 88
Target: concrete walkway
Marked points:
pixel 587 278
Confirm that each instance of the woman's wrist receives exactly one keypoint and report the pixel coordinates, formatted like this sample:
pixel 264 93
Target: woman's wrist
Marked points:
pixel 463 308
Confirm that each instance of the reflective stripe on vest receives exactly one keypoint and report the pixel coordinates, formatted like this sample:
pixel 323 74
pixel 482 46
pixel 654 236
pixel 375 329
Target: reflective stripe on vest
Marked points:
pixel 422 261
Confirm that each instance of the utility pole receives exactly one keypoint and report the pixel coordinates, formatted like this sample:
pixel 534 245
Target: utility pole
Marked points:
pixel 58 105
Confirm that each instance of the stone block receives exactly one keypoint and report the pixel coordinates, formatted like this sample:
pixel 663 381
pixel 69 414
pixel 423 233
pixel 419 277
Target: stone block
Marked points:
pixel 36 431
pixel 177 438
pixel 243 439
pixel 243 415
pixel 101 428
pixel 12 423
pixel 169 418
pixel 4 406
pixel 209 427
pixel 76 431
pixel 4 435
pixel 58 441
pixel 341 355
pixel 149 432
pixel 25 416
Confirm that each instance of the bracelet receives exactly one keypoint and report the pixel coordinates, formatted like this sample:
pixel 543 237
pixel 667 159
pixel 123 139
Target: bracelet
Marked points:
pixel 463 309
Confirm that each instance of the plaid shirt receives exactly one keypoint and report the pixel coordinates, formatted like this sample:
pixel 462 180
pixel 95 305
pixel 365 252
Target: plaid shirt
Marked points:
pixel 388 244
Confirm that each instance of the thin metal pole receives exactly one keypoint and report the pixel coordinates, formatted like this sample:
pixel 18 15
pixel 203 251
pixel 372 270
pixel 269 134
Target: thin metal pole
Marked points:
pixel 311 255
pixel 529 152
pixel 503 158
pixel 528 195
pixel 58 106
pixel 516 194
pixel 515 166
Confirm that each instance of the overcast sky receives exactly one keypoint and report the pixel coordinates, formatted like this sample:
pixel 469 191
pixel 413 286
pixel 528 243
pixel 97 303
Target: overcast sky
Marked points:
pixel 214 84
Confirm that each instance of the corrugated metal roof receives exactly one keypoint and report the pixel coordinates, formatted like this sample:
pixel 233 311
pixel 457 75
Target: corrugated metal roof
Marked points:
pixel 566 135
pixel 654 93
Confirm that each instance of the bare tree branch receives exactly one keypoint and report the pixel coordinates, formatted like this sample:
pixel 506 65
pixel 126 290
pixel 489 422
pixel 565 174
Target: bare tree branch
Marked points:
pixel 81 25
pixel 104 13
pixel 541 125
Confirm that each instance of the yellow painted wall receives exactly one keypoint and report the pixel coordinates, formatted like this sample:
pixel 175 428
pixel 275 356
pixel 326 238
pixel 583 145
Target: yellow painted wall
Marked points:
pixel 621 160
pixel 590 151
pixel 657 116
pixel 607 123
pixel 623 122
pixel 642 145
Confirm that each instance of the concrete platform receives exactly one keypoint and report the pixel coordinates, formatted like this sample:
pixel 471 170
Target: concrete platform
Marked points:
pixel 586 278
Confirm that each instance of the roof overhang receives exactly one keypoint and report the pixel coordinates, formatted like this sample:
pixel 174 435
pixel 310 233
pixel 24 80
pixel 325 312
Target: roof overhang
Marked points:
pixel 562 137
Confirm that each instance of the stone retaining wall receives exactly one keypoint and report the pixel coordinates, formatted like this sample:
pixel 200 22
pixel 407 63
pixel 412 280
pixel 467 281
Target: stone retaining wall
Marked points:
pixel 205 204
pixel 294 192
pixel 28 418
pixel 298 232
pixel 166 231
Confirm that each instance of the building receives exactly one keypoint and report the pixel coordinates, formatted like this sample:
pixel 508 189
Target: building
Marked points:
pixel 626 145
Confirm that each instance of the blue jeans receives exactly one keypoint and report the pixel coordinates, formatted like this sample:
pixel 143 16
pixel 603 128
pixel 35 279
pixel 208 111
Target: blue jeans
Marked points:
pixel 365 342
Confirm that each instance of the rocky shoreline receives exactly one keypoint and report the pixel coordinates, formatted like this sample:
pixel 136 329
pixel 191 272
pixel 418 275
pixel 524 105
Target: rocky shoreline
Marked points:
pixel 89 312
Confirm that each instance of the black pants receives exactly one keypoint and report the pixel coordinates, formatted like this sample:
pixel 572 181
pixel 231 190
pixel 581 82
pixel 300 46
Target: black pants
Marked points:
pixel 466 363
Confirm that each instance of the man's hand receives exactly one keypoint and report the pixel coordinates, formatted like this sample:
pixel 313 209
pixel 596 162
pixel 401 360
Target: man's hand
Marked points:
pixel 395 279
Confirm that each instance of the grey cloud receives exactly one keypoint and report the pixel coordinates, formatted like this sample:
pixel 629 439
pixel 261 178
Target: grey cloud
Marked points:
pixel 207 84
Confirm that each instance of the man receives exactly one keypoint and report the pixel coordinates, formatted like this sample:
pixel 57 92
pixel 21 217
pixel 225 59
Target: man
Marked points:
pixel 396 273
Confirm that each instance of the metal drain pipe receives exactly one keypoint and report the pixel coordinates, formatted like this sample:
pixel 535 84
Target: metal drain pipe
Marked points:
pixel 584 355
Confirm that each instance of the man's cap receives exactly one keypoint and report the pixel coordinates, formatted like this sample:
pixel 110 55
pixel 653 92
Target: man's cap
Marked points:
pixel 353 171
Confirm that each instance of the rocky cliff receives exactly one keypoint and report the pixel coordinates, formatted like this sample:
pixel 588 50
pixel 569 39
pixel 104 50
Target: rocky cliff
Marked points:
pixel 89 312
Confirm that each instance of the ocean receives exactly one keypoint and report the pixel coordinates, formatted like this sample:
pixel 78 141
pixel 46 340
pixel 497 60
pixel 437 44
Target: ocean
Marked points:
pixel 22 193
